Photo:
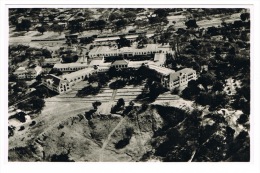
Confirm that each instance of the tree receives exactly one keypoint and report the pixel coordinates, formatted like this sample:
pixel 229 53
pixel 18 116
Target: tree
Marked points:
pixel 130 15
pixel 58 28
pixel 191 23
pixel 96 104
pixel 121 102
pixel 101 24
pixel 121 23
pixel 24 25
pixel 46 53
pixel 243 119
pixel 12 78
pixel 13 20
pixel 161 12
pixel 51 17
pixel 141 40
pixel 55 71
pixel 114 16
pixel 206 79
pixel 218 86
pixel 75 26
pixel 37 103
pixel 245 16
pixel 20 86
pixel 141 23
pixel 123 42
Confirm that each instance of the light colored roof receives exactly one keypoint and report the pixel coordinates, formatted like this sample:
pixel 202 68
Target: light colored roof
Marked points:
pixel 106 39
pixel 136 64
pixel 107 49
pixel 102 49
pixel 160 57
pixel 38 70
pixel 55 79
pixel 96 62
pixel 105 64
pixel 52 59
pixel 114 38
pixel 21 69
pixel 162 70
pixel 70 65
pixel 120 62
pixel 78 73
pixel 177 74
pixel 82 59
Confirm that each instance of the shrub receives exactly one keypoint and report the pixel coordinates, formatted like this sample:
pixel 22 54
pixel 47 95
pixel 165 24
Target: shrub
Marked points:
pixel 33 123
pixel 21 128
pixel 122 143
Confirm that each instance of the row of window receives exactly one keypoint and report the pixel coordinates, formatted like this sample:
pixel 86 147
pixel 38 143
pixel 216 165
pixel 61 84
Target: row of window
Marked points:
pixel 70 69
pixel 121 66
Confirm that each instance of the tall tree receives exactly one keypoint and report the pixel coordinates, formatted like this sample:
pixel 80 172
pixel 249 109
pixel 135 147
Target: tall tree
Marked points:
pixel 24 25
pixel 41 29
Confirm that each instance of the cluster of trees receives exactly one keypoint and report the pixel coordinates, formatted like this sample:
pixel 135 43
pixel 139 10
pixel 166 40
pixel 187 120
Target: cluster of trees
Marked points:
pixel 99 79
pixel 142 40
pixel 20 53
pixel 129 131
pixel 34 104
pixel 188 139
pixel 24 25
pixel 123 42
pixel 210 93
pixel 88 90
pixel 160 18
pixel 17 91
pixel 119 106
pixel 86 40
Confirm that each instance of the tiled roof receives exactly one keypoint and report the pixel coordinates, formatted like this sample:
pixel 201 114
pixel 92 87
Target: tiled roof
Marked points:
pixel 162 70
pixel 120 62
pixel 78 73
pixel 70 65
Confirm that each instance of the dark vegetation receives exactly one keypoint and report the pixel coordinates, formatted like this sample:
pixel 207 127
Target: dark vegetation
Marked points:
pixel 184 138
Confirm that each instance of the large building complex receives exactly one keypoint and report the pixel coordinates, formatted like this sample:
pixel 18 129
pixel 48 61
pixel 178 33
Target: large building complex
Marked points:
pixel 171 79
pixel 149 49
pixel 56 83
pixel 31 73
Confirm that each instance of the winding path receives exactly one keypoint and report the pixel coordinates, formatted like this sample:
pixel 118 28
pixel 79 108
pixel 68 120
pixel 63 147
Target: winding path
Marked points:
pixel 108 139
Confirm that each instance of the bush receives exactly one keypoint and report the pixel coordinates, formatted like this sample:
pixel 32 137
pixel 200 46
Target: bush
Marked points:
pixel 117 84
pixel 88 90
pixel 129 132
pixel 21 128
pixel 61 158
pixel 122 143
pixel 33 123
pixel 96 104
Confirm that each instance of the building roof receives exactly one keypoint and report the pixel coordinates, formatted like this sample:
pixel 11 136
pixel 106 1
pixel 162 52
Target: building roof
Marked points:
pixel 54 79
pixel 78 73
pixel 102 49
pixel 136 64
pixel 82 59
pixel 108 50
pixel 161 70
pixel 70 65
pixel 120 62
pixel 177 74
pixel 20 69
pixel 160 58
pixel 46 60
pixel 96 62
pixel 38 70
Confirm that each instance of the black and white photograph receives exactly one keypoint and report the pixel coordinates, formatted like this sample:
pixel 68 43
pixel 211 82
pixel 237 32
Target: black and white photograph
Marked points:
pixel 129 84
